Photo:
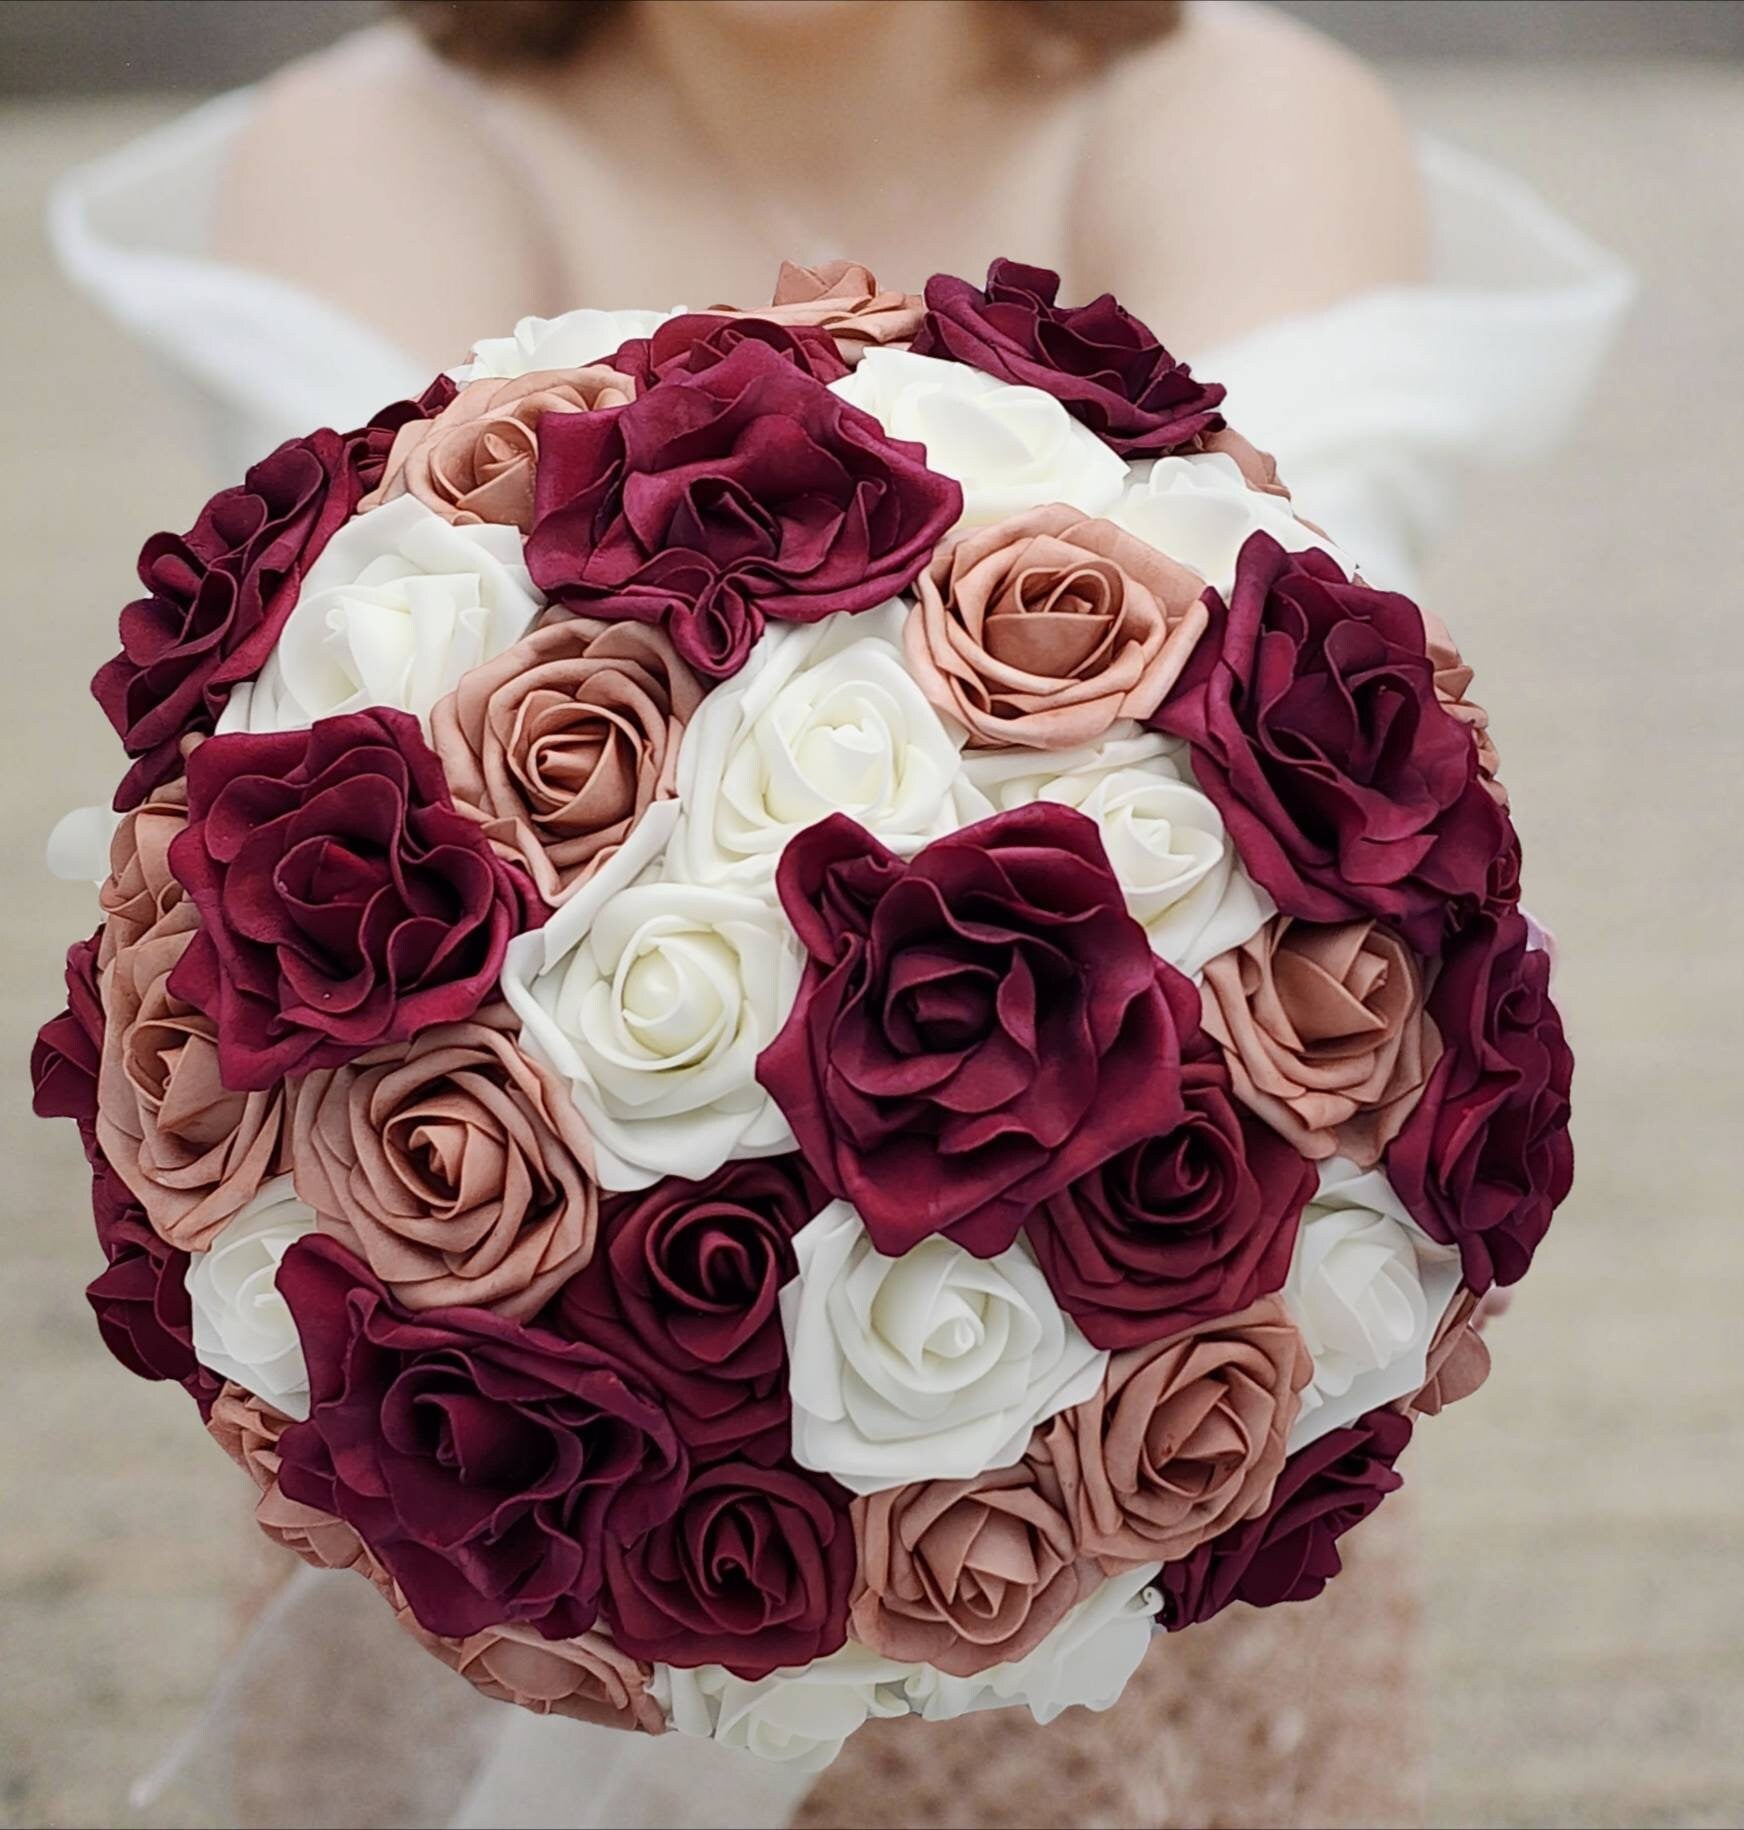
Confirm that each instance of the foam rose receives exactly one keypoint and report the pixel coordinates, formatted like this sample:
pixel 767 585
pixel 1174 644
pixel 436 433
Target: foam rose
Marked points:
pixel 585 1678
pixel 653 1000
pixel 843 298
pixel 475 460
pixel 455 1166
pixel 217 596
pixel 822 720
pixel 1010 448
pixel 1452 683
pixel 396 610
pixel 1044 629
pixel 1290 1552
pixel 561 743
pixel 966 1574
pixel 1102 363
pixel 1183 1439
pixel 1325 1032
pixel 66 1057
pixel 1166 841
pixel 141 889
pixel 977 1026
pixel 931 1366
pixel 698 340
pixel 343 902
pixel 572 340
pixel 1459 1361
pixel 721 499
pixel 1310 705
pixel 484 1464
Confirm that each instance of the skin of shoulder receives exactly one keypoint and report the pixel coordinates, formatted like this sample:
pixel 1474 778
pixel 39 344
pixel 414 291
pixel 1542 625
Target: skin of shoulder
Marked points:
pixel 1244 170
pixel 333 184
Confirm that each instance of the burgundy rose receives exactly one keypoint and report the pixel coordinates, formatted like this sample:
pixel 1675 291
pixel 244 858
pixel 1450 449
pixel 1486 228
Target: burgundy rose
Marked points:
pixel 1486 1157
pixel 69 1048
pixel 977 1026
pixel 141 1298
pixel 485 1464
pixel 1290 1552
pixel 723 497
pixel 682 1290
pixel 698 340
pixel 1347 788
pixel 1100 362
pixel 752 1572
pixel 218 595
pixel 1190 1224
pixel 343 901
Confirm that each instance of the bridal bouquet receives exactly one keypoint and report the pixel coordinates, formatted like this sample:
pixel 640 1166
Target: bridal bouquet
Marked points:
pixel 799 1014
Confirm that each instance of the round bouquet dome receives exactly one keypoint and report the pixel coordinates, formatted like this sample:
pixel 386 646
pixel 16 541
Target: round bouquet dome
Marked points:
pixel 799 1015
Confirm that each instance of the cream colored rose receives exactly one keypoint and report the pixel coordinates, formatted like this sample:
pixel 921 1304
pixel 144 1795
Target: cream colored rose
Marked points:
pixel 932 1366
pixel 1011 448
pixel 823 719
pixel 569 341
pixel 654 1000
pixel 1183 883
pixel 398 607
pixel 1200 511
pixel 1368 1289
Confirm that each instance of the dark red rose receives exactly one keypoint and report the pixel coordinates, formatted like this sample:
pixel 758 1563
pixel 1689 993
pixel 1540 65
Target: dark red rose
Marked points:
pixel 485 1464
pixel 1189 1224
pixel 69 1048
pixel 1485 1159
pixel 723 497
pixel 1290 1552
pixel 698 340
pixel 141 1298
pixel 753 1571
pixel 1100 362
pixel 343 902
pixel 217 596
pixel 682 1289
pixel 1347 788
pixel 977 1026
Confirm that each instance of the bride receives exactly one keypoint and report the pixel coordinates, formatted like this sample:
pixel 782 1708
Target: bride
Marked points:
pixel 1383 315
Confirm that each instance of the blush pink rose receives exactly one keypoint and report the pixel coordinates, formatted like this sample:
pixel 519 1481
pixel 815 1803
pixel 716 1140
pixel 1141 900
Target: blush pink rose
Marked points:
pixel 1325 1033
pixel 1452 682
pixel 585 1678
pixel 843 298
pixel 1042 630
pixel 562 742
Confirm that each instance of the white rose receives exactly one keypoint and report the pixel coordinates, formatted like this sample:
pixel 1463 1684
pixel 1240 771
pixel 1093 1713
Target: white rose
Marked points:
pixel 932 1366
pixel 799 1718
pixel 1011 448
pixel 823 719
pixel 1178 870
pixel 655 999
pixel 1368 1288
pixel 400 604
pixel 1199 510
pixel 242 1326
pixel 1085 1661
pixel 570 341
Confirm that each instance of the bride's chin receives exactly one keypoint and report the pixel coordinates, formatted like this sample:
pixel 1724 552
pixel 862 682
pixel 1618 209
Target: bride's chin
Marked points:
pixel 762 15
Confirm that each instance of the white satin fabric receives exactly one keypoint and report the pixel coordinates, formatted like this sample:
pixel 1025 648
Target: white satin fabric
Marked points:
pixel 1375 409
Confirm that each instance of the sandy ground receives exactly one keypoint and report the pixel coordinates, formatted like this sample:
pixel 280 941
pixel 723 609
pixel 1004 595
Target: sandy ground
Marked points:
pixel 1582 1516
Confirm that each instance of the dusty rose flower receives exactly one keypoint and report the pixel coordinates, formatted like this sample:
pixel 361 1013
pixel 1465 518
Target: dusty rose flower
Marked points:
pixel 1325 1033
pixel 248 1429
pixel 1043 629
pixel 843 298
pixel 455 1165
pixel 966 1574
pixel 586 1678
pixel 475 460
pixel 1459 1361
pixel 1185 1438
pixel 192 1150
pixel 141 888
pixel 1259 469
pixel 561 743
pixel 1452 681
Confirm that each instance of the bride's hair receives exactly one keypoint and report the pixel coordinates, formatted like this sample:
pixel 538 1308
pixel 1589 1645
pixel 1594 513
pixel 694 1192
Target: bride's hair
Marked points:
pixel 491 34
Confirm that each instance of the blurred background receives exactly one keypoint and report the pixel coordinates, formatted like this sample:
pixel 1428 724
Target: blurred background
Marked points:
pixel 1582 1518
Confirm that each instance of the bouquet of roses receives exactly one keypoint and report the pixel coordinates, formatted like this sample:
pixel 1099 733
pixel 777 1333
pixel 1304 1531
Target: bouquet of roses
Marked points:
pixel 799 1015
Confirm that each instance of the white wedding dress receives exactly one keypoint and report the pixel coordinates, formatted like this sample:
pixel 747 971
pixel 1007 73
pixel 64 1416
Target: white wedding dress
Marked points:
pixel 1374 408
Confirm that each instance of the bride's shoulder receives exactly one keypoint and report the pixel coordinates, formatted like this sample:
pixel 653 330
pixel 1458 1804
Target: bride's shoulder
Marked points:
pixel 1246 167
pixel 356 173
